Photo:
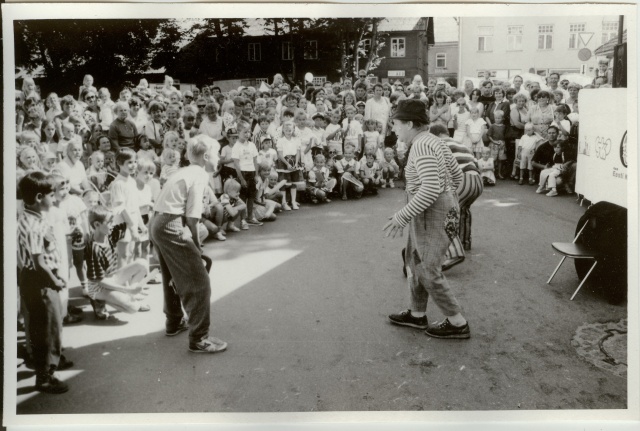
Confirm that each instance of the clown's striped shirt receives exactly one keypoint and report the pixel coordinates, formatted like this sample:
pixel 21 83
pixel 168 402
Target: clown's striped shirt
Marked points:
pixel 430 162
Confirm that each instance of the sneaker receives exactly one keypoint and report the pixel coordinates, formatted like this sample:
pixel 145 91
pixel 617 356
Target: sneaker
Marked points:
pixel 74 310
pixel 244 225
pixel 405 318
pixel 220 237
pixel 286 207
pixel 208 345
pixel 391 184
pixel 532 182
pixel 446 330
pixel 172 330
pixel 255 222
pixel 295 206
pixel 327 200
pixel 450 263
pixel 521 181
pixel 383 185
pixel 144 307
pixel 51 385
pixel 552 193
pixel 233 228
pixel 541 189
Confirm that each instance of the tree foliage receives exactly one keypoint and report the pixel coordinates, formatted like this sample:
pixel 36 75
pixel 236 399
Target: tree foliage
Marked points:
pixel 107 49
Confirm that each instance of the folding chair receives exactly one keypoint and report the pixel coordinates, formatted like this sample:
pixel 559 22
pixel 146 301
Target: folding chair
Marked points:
pixel 575 251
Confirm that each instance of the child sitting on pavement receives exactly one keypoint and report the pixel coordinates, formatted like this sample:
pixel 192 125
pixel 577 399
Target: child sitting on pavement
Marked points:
pixel 390 169
pixel 319 185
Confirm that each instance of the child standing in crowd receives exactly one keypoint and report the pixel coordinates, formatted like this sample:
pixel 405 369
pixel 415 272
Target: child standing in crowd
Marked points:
pixel 87 85
pixel 526 148
pixel 261 130
pixel 146 151
pixel 267 154
pixel 227 166
pixel 390 169
pixel 145 171
pixel 352 129
pixel 371 134
pixel 170 164
pixel 245 155
pixel 124 202
pixel 319 185
pixel 475 128
pixel 496 135
pixel 96 173
pixel 549 176
pixel 485 164
pixel 333 134
pixel 460 117
pixel 561 122
pixel 318 130
pixel 39 282
pixel 288 166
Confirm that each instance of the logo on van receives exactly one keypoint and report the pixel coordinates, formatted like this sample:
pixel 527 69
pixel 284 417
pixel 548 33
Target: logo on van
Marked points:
pixel 623 150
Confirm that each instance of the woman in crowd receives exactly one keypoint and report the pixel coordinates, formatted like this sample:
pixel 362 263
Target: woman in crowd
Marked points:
pixel 377 108
pixel 541 114
pixel 519 116
pixel 439 112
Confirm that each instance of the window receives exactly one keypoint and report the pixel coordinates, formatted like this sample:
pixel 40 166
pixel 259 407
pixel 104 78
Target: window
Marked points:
pixel 254 52
pixel 514 38
pixel 575 41
pixel 287 51
pixel 397 47
pixel 609 31
pixel 485 39
pixel 365 45
pixel 545 36
pixel 310 49
pixel 441 60
pixel 318 81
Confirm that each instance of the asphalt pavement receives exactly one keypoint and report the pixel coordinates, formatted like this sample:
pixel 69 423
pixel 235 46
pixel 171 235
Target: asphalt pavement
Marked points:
pixel 303 304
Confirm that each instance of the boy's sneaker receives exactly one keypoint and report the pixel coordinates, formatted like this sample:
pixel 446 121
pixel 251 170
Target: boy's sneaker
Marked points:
pixel 144 307
pixel 233 228
pixel 244 225
pixel 172 330
pixel 220 237
pixel 541 189
pixel 255 222
pixel 70 319
pixel 208 345
pixel 552 193
pixel 446 330
pixel 295 206
pixel 64 363
pixel 383 185
pixel 391 184
pixel 405 318
pixel 286 207
pixel 51 385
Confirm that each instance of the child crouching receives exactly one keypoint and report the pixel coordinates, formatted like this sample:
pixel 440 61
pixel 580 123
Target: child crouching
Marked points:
pixel 263 208
pixel 319 185
pixel 116 287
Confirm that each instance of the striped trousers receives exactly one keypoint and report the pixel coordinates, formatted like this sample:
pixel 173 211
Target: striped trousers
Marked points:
pixel 181 262
pixel 468 191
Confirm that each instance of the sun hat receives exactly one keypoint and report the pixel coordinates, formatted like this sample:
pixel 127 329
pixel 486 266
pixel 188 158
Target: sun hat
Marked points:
pixel 411 110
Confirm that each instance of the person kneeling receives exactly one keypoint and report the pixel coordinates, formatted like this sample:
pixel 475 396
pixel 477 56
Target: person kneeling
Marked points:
pixel 116 287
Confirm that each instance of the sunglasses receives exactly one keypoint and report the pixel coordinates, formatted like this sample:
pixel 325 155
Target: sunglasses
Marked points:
pixel 202 106
pixel 90 98
pixel 188 97
pixel 332 152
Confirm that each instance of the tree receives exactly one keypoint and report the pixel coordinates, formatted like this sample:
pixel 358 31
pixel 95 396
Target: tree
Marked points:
pixel 110 50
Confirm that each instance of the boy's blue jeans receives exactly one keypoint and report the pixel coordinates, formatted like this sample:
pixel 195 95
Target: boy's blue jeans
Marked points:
pixel 45 319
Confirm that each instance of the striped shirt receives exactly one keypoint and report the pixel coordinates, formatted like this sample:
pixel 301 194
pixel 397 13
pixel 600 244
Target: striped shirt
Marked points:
pixel 430 171
pixel 101 262
pixel 35 237
pixel 463 155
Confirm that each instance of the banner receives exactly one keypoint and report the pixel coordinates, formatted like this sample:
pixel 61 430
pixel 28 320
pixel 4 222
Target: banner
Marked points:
pixel 602 146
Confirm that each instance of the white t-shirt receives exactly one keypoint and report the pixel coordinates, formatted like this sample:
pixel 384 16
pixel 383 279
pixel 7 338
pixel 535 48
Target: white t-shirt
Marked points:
pixel 183 193
pixel 475 126
pixel 245 154
pixel 124 195
pixel 288 147
pixel 76 174
pixel 268 156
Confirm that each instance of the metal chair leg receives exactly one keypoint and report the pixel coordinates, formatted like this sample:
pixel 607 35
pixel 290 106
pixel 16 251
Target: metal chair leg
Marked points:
pixel 556 270
pixel 584 279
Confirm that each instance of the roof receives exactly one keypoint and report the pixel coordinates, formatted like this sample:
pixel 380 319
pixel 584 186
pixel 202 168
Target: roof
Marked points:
pixel 401 24
pixel 606 50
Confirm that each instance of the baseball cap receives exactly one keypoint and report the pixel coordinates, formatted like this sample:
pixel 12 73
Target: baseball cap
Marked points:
pixel 265 138
pixel 232 132
pixel 318 115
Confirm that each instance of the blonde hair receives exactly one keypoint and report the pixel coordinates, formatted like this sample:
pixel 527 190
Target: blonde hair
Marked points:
pixel 201 144
pixel 146 164
pixel 166 155
pixel 231 185
pixel 264 167
pixel 168 135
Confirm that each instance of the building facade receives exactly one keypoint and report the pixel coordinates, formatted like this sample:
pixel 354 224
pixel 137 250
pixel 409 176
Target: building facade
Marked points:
pixel 444 61
pixel 509 46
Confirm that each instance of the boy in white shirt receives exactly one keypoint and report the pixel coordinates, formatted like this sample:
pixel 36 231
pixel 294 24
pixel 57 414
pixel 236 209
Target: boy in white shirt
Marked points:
pixel 333 133
pixel 124 201
pixel 267 154
pixel 352 129
pixel 245 158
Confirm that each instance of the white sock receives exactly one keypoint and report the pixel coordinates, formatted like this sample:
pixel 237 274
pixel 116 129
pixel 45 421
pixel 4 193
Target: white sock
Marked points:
pixel 418 313
pixel 457 320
